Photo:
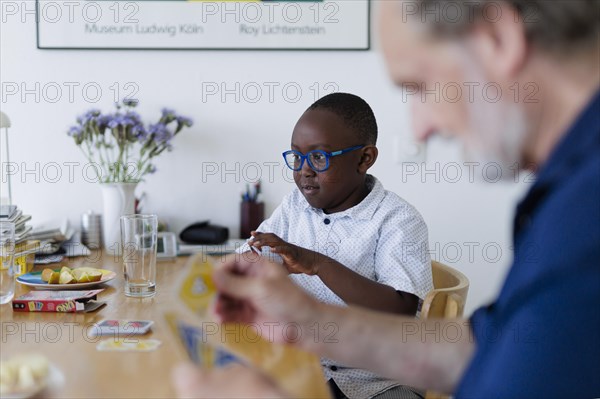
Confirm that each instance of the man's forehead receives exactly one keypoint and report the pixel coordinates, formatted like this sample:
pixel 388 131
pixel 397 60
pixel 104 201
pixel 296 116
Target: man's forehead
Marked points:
pixel 413 56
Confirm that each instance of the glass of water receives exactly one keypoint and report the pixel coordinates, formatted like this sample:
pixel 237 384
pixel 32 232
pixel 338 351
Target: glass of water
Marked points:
pixel 138 240
pixel 7 257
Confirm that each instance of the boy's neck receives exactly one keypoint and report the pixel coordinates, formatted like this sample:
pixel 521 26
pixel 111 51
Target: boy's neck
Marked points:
pixel 356 197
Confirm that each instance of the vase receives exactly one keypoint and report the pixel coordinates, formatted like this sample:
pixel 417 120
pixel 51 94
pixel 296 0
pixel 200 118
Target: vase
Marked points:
pixel 118 200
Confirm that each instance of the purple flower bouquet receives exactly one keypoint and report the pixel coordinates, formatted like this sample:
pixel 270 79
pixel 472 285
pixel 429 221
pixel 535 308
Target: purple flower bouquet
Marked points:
pixel 119 144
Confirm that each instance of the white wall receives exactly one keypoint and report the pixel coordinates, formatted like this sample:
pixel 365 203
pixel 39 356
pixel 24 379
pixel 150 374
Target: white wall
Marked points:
pixel 232 132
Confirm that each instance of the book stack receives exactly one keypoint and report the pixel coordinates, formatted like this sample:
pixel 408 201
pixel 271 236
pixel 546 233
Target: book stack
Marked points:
pixel 25 248
pixel 54 231
pixel 12 213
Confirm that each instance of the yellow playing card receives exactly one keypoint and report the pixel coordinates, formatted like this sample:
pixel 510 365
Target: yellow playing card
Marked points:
pixel 210 344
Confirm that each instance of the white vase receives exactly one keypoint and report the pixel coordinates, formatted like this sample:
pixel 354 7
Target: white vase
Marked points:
pixel 119 200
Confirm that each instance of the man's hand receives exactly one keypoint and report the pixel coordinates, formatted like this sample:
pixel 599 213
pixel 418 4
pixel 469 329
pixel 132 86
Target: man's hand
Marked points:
pixel 260 293
pixel 296 259
pixel 192 382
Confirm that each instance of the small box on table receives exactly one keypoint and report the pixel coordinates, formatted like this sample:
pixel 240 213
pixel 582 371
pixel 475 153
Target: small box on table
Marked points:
pixel 58 301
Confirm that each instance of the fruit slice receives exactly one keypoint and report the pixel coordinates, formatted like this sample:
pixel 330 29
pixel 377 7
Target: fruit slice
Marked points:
pixel 88 269
pixel 66 278
pixel 77 273
pixel 46 274
pixel 81 276
pixel 54 278
pixel 37 363
pixel 94 275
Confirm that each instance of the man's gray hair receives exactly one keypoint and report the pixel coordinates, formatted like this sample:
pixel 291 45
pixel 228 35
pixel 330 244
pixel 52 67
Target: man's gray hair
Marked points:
pixel 552 25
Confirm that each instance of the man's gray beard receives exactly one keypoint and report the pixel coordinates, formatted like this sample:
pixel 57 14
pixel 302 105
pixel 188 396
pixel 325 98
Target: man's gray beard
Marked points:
pixel 497 146
pixel 497 129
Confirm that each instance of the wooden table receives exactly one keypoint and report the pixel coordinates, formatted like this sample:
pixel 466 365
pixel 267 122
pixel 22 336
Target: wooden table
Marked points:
pixel 65 341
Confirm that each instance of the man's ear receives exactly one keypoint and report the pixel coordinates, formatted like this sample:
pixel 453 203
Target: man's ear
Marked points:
pixel 500 42
pixel 368 157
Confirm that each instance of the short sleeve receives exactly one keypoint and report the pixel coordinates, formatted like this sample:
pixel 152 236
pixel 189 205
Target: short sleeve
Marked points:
pixel 402 258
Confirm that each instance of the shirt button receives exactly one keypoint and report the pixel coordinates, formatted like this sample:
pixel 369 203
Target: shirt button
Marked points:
pixel 326 221
pixel 333 368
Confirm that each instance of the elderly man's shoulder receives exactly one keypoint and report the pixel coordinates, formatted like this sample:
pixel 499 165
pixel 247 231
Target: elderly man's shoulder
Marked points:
pixel 567 227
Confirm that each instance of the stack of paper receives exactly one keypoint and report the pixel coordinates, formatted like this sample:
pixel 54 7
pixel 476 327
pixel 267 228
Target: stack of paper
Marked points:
pixel 56 231
pixel 12 213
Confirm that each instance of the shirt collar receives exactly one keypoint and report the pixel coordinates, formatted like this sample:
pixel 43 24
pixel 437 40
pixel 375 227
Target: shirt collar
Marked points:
pixel 362 211
pixel 581 141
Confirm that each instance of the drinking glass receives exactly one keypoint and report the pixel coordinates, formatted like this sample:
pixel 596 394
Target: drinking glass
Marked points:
pixel 7 257
pixel 138 244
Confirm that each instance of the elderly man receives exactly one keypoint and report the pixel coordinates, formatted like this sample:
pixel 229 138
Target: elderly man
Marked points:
pixel 539 338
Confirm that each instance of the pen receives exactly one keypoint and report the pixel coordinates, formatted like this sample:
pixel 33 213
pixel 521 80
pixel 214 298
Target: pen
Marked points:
pixel 256 191
pixel 253 249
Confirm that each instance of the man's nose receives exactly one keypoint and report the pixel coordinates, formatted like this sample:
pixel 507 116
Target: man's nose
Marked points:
pixel 424 124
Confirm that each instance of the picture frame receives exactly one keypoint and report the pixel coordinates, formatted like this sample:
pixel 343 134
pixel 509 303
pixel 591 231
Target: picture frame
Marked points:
pixel 204 25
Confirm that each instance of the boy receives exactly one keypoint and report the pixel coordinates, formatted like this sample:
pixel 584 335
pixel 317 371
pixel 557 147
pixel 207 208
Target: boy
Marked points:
pixel 343 237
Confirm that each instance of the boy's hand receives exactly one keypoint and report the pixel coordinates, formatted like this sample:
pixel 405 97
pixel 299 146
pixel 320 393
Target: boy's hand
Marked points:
pixel 296 259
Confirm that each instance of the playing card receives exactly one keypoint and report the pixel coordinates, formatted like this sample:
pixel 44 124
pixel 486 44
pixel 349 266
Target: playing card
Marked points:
pixel 121 328
pixel 210 344
pixel 194 341
pixel 128 345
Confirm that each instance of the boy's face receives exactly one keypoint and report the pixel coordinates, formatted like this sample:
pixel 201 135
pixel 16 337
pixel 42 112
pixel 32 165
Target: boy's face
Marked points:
pixel 337 188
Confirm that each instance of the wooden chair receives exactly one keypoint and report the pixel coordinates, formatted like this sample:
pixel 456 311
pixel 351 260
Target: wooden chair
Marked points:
pixel 449 294
pixel 445 301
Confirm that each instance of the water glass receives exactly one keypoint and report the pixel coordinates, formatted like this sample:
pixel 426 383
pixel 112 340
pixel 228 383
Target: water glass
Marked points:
pixel 7 257
pixel 138 244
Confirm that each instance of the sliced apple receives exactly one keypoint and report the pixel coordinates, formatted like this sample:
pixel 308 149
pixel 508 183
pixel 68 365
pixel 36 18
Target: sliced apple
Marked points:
pixel 37 363
pixel 88 269
pixel 22 374
pixel 46 274
pixel 94 275
pixel 87 274
pixel 54 278
pixel 81 276
pixel 8 377
pixel 77 273
pixel 66 278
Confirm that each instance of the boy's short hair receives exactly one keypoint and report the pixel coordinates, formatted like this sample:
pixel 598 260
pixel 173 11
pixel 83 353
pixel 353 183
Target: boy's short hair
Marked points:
pixel 355 112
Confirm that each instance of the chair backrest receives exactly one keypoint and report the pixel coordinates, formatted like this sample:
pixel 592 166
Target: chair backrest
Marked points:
pixel 449 294
pixel 445 301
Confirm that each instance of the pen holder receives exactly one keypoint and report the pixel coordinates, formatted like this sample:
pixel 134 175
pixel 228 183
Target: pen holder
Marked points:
pixel 252 214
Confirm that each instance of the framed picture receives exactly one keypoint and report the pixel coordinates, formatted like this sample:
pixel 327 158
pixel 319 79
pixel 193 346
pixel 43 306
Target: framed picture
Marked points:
pixel 204 24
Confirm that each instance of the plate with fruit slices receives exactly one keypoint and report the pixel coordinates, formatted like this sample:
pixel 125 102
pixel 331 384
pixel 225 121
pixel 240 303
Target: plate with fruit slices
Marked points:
pixel 66 278
pixel 27 375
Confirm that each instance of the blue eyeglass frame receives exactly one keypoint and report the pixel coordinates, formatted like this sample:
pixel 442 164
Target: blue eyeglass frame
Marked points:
pixel 325 153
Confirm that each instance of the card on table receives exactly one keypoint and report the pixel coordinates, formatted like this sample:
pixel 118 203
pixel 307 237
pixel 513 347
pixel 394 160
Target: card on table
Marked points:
pixel 128 345
pixel 121 328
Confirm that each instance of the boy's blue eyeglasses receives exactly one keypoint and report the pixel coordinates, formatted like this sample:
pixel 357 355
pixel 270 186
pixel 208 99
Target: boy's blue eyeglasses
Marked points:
pixel 318 160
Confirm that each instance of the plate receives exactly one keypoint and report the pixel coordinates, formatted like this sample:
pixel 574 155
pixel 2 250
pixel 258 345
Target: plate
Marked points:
pixel 35 280
pixel 54 381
